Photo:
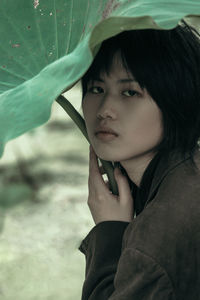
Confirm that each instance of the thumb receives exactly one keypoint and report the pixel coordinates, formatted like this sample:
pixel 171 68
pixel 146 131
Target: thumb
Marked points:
pixel 123 185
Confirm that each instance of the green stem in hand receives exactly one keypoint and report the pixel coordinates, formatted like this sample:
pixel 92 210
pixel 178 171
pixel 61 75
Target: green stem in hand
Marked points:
pixel 79 121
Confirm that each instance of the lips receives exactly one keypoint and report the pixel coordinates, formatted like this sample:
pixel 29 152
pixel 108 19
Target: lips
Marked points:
pixel 105 130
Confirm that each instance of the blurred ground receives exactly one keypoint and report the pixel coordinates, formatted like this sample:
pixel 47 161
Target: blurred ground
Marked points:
pixel 43 210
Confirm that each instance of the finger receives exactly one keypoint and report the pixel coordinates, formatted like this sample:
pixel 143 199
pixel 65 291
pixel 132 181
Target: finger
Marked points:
pixel 108 185
pixel 93 162
pixel 94 173
pixel 123 185
pixel 101 170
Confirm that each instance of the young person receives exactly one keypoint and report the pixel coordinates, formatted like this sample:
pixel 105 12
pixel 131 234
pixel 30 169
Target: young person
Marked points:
pixel 141 104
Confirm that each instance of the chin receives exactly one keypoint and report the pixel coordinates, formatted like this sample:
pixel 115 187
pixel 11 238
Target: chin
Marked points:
pixel 108 153
pixel 108 156
pixel 104 157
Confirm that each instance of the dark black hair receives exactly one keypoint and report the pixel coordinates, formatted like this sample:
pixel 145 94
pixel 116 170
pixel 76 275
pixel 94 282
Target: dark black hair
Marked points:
pixel 167 64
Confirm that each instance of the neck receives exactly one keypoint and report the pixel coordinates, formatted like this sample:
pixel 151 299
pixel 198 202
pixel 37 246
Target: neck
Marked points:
pixel 135 167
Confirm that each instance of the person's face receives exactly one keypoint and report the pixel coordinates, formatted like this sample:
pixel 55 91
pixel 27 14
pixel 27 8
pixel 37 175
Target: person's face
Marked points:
pixel 125 108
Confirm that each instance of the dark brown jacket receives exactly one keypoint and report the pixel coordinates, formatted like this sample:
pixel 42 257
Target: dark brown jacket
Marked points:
pixel 157 255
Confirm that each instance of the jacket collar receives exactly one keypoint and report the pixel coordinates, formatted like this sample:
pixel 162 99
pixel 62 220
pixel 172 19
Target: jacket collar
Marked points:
pixel 165 165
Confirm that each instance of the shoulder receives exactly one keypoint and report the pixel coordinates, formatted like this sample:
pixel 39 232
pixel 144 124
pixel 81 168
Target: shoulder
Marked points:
pixel 173 215
pixel 166 233
pixel 178 196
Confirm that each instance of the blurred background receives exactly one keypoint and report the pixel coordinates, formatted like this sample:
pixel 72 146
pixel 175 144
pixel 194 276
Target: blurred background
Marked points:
pixel 43 210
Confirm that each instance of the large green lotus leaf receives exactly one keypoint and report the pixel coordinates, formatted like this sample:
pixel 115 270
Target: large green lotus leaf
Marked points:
pixel 47 45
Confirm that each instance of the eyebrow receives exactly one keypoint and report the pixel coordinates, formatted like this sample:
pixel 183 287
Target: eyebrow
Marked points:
pixel 123 80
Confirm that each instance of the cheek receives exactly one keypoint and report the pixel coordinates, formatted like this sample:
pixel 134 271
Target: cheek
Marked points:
pixel 89 115
pixel 89 106
pixel 86 107
pixel 147 129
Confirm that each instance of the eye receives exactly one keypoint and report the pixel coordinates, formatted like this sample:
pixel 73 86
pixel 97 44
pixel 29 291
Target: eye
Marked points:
pixel 131 93
pixel 95 90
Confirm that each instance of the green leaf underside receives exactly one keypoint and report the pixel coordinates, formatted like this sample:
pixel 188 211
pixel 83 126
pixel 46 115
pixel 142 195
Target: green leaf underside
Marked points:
pixel 47 46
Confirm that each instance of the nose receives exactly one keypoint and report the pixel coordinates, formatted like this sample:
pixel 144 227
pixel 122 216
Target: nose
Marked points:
pixel 107 108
